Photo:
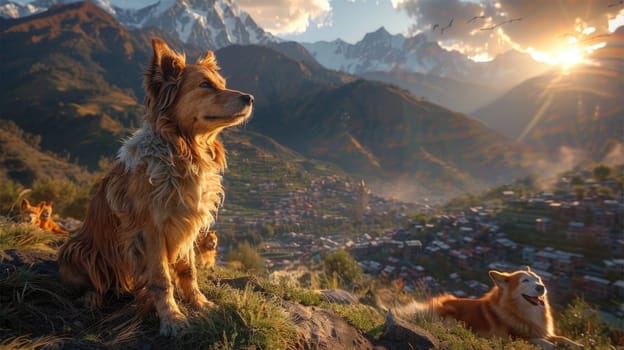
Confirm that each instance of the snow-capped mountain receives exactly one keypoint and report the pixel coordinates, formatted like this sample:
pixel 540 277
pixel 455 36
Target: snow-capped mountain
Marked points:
pixel 204 23
pixel 381 51
pixel 11 9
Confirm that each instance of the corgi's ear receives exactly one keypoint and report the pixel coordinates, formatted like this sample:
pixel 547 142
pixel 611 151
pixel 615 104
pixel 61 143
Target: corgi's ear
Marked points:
pixel 25 203
pixel 501 279
pixel 41 204
pixel 165 66
pixel 209 61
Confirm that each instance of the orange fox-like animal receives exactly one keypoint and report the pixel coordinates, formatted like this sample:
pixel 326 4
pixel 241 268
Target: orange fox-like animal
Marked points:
pixel 516 306
pixel 40 215
pixel 164 187
pixel 206 249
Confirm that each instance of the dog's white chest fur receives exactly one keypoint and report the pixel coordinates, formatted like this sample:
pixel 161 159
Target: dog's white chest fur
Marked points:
pixel 189 188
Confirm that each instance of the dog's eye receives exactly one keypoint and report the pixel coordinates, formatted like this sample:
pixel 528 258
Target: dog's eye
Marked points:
pixel 206 85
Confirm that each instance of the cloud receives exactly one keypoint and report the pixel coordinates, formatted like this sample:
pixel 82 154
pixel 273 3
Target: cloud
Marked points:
pixel 543 26
pixel 287 16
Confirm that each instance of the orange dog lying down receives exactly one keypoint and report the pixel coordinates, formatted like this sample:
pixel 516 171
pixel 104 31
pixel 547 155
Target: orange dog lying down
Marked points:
pixel 516 306
pixel 40 215
pixel 142 224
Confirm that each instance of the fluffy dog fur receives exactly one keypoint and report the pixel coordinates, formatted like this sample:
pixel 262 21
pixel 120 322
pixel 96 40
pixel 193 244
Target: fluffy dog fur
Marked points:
pixel 165 185
pixel 41 216
pixel 516 306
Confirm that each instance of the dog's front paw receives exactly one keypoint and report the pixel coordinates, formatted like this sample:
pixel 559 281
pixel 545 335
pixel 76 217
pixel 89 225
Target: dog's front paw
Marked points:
pixel 171 324
pixel 199 301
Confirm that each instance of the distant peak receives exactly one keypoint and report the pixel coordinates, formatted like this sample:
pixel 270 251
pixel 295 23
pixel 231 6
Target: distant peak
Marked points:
pixel 379 34
pixel 382 30
pixel 82 6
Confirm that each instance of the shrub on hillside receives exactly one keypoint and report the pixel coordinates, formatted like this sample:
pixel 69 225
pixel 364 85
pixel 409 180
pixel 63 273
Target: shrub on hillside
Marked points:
pixel 10 194
pixel 341 270
pixel 581 322
pixel 246 258
pixel 68 198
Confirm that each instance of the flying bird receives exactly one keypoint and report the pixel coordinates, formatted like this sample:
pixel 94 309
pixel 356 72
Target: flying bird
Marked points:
pixel 504 22
pixel 434 27
pixel 475 18
pixel 447 27
pixel 621 2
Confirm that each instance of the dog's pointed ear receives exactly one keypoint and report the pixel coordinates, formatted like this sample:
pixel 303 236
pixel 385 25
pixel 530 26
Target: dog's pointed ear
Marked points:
pixel 165 65
pixel 25 203
pixel 499 278
pixel 41 204
pixel 209 61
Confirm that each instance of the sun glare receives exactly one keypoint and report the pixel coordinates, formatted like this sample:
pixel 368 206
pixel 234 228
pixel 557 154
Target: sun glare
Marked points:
pixel 569 57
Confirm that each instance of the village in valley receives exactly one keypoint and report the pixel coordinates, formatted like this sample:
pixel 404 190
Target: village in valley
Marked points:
pixel 572 237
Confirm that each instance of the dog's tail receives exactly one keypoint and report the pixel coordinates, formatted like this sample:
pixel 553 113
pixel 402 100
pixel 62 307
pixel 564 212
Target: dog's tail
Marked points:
pixel 430 308
pixel 411 309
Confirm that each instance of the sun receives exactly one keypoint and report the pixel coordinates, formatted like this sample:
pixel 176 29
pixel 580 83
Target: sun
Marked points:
pixel 566 58
pixel 569 57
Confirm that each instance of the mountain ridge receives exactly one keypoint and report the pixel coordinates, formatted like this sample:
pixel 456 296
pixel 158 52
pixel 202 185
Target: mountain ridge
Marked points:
pixel 382 51
pixel 98 80
pixel 212 24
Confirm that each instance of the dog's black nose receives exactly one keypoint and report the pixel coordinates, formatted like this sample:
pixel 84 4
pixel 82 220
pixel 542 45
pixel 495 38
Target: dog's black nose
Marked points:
pixel 248 99
pixel 539 288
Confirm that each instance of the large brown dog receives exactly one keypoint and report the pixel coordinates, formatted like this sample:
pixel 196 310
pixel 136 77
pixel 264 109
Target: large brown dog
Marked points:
pixel 516 306
pixel 165 186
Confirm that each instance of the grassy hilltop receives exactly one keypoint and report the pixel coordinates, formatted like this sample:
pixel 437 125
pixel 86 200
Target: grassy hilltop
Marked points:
pixel 253 312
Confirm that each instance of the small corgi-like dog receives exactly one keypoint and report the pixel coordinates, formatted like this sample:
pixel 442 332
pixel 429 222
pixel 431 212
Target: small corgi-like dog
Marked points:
pixel 516 306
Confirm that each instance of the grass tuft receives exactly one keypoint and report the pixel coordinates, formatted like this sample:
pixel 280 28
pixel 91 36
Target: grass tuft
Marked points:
pixel 23 236
pixel 288 291
pixel 242 319
pixel 363 317
pixel 25 343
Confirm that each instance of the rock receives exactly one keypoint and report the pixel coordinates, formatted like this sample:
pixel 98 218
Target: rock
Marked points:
pixel 402 335
pixel 323 329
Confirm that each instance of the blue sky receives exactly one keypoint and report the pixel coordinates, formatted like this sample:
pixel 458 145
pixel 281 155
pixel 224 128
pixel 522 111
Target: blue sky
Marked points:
pixel 350 20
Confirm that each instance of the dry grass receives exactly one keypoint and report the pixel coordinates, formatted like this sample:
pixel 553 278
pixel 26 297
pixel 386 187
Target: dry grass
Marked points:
pixel 25 343
pixel 23 236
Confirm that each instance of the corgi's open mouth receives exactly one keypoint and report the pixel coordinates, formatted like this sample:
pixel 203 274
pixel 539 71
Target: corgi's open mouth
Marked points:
pixel 537 301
